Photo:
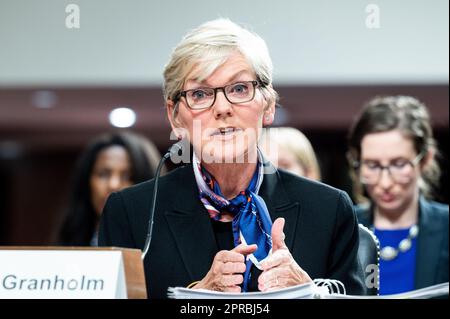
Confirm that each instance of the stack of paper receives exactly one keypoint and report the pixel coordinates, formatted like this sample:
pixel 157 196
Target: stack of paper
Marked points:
pixel 304 291
pixel 424 293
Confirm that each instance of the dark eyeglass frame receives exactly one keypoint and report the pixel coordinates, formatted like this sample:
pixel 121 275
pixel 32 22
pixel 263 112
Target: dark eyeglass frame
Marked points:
pixel 381 168
pixel 180 94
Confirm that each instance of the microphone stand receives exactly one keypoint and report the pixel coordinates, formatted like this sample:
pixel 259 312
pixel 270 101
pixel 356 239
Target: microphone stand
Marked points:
pixel 174 149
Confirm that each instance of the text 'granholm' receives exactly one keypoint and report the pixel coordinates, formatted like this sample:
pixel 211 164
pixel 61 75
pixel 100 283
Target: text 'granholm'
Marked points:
pixel 13 282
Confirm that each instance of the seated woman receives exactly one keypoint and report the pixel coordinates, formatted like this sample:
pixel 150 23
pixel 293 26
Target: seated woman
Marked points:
pixel 289 149
pixel 225 222
pixel 393 153
pixel 110 162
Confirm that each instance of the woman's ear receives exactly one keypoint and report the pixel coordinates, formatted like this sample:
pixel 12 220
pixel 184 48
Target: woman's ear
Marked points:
pixel 427 159
pixel 268 119
pixel 172 116
pixel 269 110
pixel 269 114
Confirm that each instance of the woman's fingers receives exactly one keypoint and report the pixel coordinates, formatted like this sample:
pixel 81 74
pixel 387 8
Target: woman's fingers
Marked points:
pixel 232 289
pixel 232 280
pixel 233 268
pixel 227 269
pixel 272 277
pixel 281 256
pixel 237 254
pixel 245 249
pixel 280 270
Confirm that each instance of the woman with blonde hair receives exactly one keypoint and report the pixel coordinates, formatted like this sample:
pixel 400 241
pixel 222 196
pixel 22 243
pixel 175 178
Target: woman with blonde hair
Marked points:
pixel 223 222
pixel 289 149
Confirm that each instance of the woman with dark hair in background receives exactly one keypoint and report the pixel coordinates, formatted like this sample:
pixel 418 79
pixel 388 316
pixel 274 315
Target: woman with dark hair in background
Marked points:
pixel 111 162
pixel 393 152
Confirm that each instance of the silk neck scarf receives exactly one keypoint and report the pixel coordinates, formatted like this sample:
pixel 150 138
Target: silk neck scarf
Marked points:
pixel 251 220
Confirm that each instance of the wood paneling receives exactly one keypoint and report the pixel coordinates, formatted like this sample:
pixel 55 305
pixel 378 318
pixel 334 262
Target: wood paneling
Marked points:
pixel 38 147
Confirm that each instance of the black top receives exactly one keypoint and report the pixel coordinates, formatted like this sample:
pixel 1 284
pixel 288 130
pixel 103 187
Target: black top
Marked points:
pixel 223 232
pixel 321 228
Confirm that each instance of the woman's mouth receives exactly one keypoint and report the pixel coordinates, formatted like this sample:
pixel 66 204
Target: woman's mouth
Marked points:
pixel 225 133
pixel 387 198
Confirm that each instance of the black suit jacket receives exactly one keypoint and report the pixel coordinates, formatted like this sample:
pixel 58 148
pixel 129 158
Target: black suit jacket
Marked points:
pixel 321 228
pixel 432 241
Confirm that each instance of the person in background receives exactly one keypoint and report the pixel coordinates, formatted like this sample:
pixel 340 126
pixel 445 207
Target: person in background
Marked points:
pixel 111 162
pixel 293 151
pixel 393 154
pixel 289 149
pixel 225 221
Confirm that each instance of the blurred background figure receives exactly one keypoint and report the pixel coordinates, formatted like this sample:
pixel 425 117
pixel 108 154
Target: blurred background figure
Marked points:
pixel 393 153
pixel 111 162
pixel 290 149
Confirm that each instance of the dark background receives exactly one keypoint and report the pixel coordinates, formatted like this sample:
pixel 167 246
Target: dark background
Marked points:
pixel 39 147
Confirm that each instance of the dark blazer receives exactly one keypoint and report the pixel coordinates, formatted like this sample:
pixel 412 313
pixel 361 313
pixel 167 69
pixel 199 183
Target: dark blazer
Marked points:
pixel 321 228
pixel 432 241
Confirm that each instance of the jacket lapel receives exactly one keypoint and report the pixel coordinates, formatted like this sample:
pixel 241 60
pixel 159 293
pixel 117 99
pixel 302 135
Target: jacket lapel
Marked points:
pixel 429 239
pixel 191 228
pixel 279 205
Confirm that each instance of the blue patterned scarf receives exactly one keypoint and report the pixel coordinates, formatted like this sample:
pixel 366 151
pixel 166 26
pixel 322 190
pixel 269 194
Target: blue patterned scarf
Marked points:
pixel 251 220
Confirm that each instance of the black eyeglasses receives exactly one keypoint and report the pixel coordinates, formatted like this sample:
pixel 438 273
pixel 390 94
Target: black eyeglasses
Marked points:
pixel 399 170
pixel 203 98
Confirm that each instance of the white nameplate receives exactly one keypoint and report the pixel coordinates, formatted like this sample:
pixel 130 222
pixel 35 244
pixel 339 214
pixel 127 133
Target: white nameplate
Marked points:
pixel 58 274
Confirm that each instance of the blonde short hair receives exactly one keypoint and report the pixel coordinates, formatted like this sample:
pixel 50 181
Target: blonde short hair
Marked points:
pixel 207 47
pixel 294 141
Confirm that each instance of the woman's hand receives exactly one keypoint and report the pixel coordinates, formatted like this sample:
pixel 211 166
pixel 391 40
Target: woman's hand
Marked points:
pixel 226 270
pixel 280 270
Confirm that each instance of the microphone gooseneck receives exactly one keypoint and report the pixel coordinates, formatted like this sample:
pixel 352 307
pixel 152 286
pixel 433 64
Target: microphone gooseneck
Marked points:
pixel 173 150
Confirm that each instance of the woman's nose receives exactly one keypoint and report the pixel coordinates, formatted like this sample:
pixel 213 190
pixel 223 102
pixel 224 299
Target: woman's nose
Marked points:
pixel 221 107
pixel 386 180
pixel 114 183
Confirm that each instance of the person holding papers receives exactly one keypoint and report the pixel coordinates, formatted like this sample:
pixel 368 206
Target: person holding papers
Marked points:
pixel 228 220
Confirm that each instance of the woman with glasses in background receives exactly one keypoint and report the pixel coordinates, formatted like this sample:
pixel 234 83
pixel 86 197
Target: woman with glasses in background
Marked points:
pixel 392 151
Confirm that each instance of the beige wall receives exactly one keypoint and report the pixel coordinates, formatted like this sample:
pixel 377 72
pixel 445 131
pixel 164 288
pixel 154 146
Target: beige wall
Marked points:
pixel 127 43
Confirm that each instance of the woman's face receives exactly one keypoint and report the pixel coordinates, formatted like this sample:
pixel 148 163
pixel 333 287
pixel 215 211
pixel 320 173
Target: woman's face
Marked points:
pixel 391 191
pixel 285 159
pixel 111 172
pixel 224 132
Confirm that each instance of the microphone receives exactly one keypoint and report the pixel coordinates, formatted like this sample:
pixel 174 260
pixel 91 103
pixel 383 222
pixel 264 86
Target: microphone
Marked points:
pixel 173 150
